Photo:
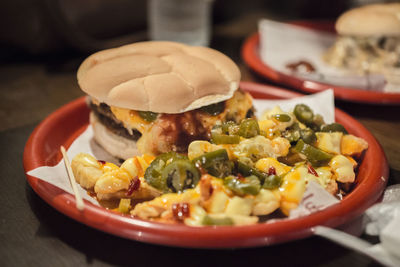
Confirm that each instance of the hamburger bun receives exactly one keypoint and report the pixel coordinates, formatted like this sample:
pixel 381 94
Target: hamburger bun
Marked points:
pixel 156 97
pixel 162 77
pixel 370 20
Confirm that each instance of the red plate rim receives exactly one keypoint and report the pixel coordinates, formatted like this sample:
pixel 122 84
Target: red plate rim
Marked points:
pixel 251 57
pixel 66 123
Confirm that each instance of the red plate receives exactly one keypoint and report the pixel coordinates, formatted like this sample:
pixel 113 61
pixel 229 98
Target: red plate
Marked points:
pixel 66 123
pixel 251 57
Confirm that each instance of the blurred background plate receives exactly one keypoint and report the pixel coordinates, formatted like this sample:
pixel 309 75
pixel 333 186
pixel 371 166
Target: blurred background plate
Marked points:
pixel 250 55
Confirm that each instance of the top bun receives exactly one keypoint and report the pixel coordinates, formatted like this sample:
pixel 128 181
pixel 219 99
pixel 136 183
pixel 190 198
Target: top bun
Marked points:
pixel 370 20
pixel 163 77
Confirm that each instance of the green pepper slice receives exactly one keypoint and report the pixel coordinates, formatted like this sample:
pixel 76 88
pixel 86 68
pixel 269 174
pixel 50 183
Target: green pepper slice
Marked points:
pixel 333 127
pixel 292 134
pixel 308 135
pixel 272 181
pixel 230 128
pixel 247 170
pixel 225 133
pixel 282 117
pixel 318 121
pixel 292 157
pixel 314 155
pixel 180 175
pixel 148 115
pixel 152 174
pixel 249 128
pixel 267 181
pixel 208 220
pixel 216 163
pixel 218 139
pixel 249 185
pixel 214 109
pixel 303 113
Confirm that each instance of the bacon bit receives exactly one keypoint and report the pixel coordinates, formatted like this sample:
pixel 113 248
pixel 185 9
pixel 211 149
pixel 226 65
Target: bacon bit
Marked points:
pixel 181 211
pixel 312 170
pixel 101 162
pixel 133 186
pixel 271 171
pixel 240 176
pixel 211 190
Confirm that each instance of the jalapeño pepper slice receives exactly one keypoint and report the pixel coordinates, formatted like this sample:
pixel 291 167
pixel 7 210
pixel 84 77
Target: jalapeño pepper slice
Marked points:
pixel 216 163
pixel 308 135
pixel 282 117
pixel 292 134
pixel 214 109
pixel 272 181
pixel 267 181
pixel 318 121
pixel 152 174
pixel 303 113
pixel 333 127
pixel 148 115
pixel 249 185
pixel 225 133
pixel 314 155
pixel 218 139
pixel 230 128
pixel 292 157
pixel 247 170
pixel 180 175
pixel 249 128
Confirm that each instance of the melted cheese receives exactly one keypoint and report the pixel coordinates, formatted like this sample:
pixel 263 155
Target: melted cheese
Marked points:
pixel 265 163
pixel 130 119
pixel 352 145
pixel 239 206
pixel 329 142
pixel 294 185
pixel 166 201
pixel 343 169
pixel 266 202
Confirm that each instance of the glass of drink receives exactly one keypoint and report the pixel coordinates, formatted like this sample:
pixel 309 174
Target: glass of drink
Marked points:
pixel 185 21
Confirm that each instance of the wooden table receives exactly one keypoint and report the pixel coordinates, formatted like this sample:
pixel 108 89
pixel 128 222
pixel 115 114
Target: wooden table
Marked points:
pixel 33 233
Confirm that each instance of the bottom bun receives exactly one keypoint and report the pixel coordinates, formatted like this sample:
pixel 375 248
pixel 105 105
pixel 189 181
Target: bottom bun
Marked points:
pixel 116 145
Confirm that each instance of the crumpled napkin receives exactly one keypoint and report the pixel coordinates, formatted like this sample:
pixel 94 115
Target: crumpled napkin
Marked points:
pixel 283 43
pixel 383 219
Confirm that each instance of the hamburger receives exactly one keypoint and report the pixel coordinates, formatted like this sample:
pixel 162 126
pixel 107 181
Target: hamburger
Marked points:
pixel 155 97
pixel 368 41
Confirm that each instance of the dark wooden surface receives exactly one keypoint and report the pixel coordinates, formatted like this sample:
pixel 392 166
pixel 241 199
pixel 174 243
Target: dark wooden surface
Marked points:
pixel 32 233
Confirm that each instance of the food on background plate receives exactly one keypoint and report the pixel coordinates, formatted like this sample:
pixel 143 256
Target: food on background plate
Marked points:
pixel 248 172
pixel 155 97
pixel 369 41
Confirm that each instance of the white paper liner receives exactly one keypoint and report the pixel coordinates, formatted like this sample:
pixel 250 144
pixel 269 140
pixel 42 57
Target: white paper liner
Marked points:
pixel 321 103
pixel 282 44
pixel 315 198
